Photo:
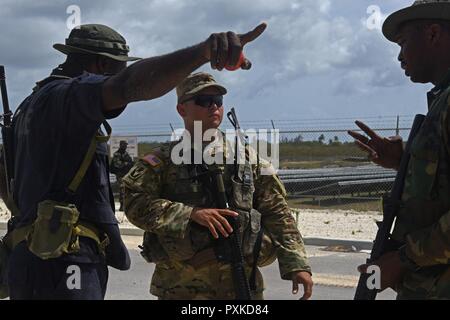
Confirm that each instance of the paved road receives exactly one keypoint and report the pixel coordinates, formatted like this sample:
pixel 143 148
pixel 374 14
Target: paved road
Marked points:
pixel 335 276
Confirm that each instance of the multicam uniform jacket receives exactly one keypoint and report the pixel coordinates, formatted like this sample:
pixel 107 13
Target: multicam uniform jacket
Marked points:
pixel 159 198
pixel 423 223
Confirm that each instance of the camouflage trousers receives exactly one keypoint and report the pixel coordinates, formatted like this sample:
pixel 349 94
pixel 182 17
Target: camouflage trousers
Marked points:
pixel 431 283
pixel 181 281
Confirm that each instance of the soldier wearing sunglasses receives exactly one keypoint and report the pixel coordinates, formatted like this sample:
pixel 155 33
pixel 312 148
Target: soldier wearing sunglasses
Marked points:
pixel 176 208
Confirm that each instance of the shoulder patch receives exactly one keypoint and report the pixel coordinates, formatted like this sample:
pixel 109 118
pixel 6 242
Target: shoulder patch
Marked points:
pixel 152 160
pixel 135 173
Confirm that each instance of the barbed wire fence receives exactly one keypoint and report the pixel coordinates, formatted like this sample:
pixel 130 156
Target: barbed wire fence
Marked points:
pixel 320 166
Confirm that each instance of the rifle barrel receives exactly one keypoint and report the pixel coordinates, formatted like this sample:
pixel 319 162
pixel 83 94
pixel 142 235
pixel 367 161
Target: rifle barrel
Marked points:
pixel 6 131
pixel 4 93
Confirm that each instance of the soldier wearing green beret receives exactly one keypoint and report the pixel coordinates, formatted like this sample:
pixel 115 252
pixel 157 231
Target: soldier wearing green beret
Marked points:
pixel 420 267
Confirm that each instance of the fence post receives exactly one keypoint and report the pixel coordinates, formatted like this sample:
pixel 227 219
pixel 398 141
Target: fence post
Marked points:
pixel 397 130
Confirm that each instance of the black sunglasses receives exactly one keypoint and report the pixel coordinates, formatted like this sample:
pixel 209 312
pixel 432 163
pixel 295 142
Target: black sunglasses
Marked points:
pixel 207 101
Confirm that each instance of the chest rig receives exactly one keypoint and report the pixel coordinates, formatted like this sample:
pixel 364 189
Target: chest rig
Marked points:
pixel 191 185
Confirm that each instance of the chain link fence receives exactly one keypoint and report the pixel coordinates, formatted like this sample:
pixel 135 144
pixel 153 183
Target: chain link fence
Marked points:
pixel 319 164
pixel 321 167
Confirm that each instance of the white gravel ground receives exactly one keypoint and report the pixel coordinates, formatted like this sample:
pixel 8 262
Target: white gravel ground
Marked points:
pixel 4 214
pixel 344 224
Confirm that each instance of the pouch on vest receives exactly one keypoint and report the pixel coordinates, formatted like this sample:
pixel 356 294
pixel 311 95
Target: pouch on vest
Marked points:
pixel 267 252
pixel 152 251
pixel 242 197
pixel 53 230
pixel 250 233
pixel 4 257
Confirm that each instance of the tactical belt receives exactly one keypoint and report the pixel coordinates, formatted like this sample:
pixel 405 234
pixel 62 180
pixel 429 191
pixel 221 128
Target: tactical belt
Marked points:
pixel 82 228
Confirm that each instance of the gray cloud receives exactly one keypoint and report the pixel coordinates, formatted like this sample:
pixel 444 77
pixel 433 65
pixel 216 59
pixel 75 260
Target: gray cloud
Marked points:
pixel 305 38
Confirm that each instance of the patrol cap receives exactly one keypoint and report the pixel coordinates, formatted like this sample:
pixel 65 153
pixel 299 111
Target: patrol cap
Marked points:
pixel 419 10
pixel 195 83
pixel 123 143
pixel 96 39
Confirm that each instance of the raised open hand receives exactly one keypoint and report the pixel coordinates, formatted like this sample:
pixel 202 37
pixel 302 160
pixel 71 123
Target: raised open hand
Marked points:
pixel 386 152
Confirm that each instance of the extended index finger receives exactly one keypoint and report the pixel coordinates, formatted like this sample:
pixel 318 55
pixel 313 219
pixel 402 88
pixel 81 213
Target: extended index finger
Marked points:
pixel 358 136
pixel 367 130
pixel 252 35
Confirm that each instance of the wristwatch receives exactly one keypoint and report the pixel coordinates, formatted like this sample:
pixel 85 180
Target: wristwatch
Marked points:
pixel 406 261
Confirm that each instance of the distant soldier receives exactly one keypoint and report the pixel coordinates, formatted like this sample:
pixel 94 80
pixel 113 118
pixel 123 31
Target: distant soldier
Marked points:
pixel 420 267
pixel 176 206
pixel 121 163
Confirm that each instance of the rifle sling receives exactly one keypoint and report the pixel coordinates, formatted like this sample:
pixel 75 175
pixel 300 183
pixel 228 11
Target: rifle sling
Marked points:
pixel 76 181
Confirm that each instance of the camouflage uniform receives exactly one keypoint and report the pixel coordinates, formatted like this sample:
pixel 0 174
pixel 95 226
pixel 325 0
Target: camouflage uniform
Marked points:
pixel 121 163
pixel 423 223
pixel 159 198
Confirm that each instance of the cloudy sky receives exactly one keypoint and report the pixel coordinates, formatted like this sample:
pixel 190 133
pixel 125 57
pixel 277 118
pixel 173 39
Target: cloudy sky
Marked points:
pixel 317 59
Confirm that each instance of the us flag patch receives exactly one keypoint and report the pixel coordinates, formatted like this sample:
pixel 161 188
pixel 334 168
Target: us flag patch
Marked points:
pixel 152 160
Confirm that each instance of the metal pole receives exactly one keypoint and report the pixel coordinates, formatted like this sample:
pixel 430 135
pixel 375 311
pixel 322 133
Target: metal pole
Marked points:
pixel 397 130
